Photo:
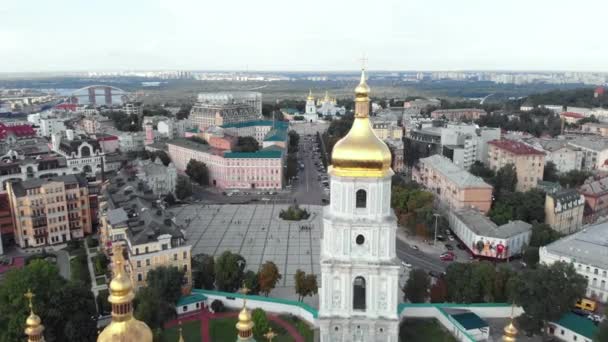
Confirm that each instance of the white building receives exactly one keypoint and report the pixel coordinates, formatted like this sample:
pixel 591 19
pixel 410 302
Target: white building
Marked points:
pixel 359 268
pixel 131 141
pixel 326 106
pixel 587 251
pixel 50 126
pixel 573 328
pixel 81 153
pixel 172 129
pixel 594 150
pixel 484 238
pixel 160 178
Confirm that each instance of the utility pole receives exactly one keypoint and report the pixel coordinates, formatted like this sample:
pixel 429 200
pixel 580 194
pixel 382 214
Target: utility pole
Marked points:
pixel 435 240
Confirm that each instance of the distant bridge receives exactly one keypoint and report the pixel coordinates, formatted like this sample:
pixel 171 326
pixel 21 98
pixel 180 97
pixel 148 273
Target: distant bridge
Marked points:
pixel 108 92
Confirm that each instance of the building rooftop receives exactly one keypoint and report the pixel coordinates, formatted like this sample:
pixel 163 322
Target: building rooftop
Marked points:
pixel 276 135
pixel 20 187
pixel 596 124
pixel 456 174
pixel 18 130
pixel 458 110
pixel 187 143
pixel 588 246
pixel 515 147
pixel 566 196
pixel 595 188
pixel 578 324
pixel 594 143
pixel 482 225
pixel 253 123
pixel 470 320
pixel 572 115
pixel 265 153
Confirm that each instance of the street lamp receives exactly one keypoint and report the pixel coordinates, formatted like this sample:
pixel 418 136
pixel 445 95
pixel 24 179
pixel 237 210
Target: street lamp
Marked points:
pixel 435 240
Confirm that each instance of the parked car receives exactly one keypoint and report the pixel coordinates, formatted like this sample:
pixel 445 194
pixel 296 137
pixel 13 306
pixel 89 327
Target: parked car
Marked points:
pixel 461 246
pixel 440 237
pixel 406 264
pixel 451 237
pixel 414 247
pixel 436 274
pixel 449 247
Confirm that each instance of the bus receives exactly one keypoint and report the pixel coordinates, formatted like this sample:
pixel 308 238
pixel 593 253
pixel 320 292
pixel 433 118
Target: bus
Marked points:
pixel 586 304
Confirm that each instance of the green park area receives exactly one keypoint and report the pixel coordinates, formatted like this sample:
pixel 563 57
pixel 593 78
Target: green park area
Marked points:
pixel 428 330
pixel 190 330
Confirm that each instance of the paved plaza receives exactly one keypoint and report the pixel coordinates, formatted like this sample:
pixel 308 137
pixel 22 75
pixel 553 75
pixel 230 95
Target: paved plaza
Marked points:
pixel 256 232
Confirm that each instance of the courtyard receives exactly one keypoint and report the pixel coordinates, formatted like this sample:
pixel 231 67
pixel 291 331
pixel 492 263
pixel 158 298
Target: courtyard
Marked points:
pixel 256 232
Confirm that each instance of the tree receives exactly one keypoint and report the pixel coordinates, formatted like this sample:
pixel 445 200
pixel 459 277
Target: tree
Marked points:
pixel 198 140
pixel 260 323
pixel 417 286
pixel 505 180
pixel 268 277
pixel 167 281
pixel 602 331
pixel 229 271
pixel 480 170
pixel 251 280
pixel 306 285
pixel 152 308
pixel 439 291
pixel 198 172
pixel 526 206
pixel 169 199
pixel 60 304
pixel 246 144
pixel 547 292
pixel 183 188
pixel 543 234
pixel 294 141
pixel 203 271
pixel 574 178
pixel 184 112
pixel 550 174
pixel 530 256
pixel 163 156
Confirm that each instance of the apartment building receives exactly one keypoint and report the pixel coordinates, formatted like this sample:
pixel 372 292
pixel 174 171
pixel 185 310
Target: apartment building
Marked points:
pixel 595 152
pixel 453 186
pixel 564 210
pixel 132 217
pixel 586 250
pixel 50 211
pixel 528 161
pixel 599 128
pixel 596 199
pixel 458 114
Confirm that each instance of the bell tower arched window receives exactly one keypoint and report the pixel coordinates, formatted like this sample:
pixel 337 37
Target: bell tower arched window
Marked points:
pixel 361 199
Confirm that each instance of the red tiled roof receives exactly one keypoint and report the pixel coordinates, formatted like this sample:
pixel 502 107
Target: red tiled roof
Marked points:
pixel 573 115
pixel 515 147
pixel 18 130
pixel 67 106
pixel 107 138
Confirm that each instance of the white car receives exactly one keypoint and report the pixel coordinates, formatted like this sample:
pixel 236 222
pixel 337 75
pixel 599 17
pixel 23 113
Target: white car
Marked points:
pixel 414 247
pixel 596 318
pixel 406 264
pixel 451 237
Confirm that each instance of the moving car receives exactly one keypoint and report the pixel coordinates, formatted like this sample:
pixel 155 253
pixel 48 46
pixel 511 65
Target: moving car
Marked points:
pixel 406 264
pixel 446 257
pixel 449 247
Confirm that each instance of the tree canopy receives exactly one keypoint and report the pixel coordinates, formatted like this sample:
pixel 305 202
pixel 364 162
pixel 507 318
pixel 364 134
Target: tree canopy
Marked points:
pixel 268 277
pixel 527 206
pixel 416 288
pixel 203 271
pixel 246 144
pixel 183 188
pixel 198 172
pixel 305 284
pixel 550 173
pixel 477 282
pixel 229 271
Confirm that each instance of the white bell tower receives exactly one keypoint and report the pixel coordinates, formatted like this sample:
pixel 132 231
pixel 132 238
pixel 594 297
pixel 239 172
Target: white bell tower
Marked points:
pixel 359 268
pixel 311 108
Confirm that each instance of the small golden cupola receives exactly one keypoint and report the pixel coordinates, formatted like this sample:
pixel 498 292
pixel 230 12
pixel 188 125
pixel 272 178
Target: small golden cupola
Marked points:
pixel 244 326
pixel 33 324
pixel 510 331
pixel 124 327
pixel 361 153
pixel 310 97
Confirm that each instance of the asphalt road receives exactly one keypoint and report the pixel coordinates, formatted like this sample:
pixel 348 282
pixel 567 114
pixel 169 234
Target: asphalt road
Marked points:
pixel 419 259
pixel 308 189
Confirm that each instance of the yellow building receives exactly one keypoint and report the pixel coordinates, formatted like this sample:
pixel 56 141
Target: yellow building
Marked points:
pixel 50 211
pixel 528 161
pixel 564 211
pixel 148 233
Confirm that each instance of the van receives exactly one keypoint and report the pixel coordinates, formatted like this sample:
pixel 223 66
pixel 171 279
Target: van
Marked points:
pixel 586 304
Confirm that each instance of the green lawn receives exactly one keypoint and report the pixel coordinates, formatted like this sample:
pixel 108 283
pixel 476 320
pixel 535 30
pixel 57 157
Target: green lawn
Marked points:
pixel 79 269
pixel 190 330
pixel 100 280
pixel 303 328
pixel 224 329
pixel 428 330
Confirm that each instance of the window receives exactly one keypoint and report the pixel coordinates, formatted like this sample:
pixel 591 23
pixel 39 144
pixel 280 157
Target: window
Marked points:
pixel 359 294
pixel 175 256
pixel 139 277
pixel 361 199
pixel 184 308
pixel 138 263
pixel 147 262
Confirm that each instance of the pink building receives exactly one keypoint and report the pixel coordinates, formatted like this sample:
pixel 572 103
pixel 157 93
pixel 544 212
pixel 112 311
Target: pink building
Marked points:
pixel 529 162
pixel 453 186
pixel 232 170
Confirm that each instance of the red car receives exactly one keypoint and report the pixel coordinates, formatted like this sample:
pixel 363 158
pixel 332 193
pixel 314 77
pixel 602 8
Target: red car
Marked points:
pixel 447 257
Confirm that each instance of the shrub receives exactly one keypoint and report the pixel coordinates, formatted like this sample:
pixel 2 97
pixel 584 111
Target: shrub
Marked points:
pixel 294 213
pixel 218 306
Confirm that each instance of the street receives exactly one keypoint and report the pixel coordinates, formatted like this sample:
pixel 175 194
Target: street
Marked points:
pixel 308 188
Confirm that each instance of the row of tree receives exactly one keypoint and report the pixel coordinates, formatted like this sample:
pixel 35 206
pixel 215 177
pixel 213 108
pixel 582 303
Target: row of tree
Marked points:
pixel 546 292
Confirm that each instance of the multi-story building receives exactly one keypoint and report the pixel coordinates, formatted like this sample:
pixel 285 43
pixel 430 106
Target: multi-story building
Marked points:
pixel 172 129
pixel 596 199
pixel 232 170
pixel 264 131
pixel 452 185
pixel 131 217
pixel 599 128
pixel 131 141
pixel 94 124
pixel 564 210
pixel 419 105
pixel 50 126
pixel 595 152
pixel 386 128
pixel 397 152
pixel 571 117
pixel 50 211
pixel 586 250
pixel 133 108
pixel 563 156
pixel 216 109
pixel 484 238
pixel 82 154
pixel 528 161
pixel 7 229
pixel 160 179
pixel 22 168
pixel 458 114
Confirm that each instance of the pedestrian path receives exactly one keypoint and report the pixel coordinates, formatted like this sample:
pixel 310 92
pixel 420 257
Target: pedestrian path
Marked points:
pixel 204 316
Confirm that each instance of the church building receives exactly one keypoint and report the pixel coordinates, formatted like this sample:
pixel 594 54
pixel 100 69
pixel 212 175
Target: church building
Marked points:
pixel 359 267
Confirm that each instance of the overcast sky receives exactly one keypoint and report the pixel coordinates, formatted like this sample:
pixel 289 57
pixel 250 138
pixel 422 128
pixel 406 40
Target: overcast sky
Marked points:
pixel 66 35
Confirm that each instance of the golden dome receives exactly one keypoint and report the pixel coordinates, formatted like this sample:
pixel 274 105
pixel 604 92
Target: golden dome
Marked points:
pixel 310 97
pixel 245 323
pixel 510 333
pixel 33 323
pixel 123 328
pixel 361 153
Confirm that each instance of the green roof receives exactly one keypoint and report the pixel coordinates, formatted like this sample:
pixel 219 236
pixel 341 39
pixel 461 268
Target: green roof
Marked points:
pixel 259 154
pixel 190 299
pixel 578 324
pixel 193 130
pixel 290 110
pixel 470 321
pixel 276 135
pixel 277 124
